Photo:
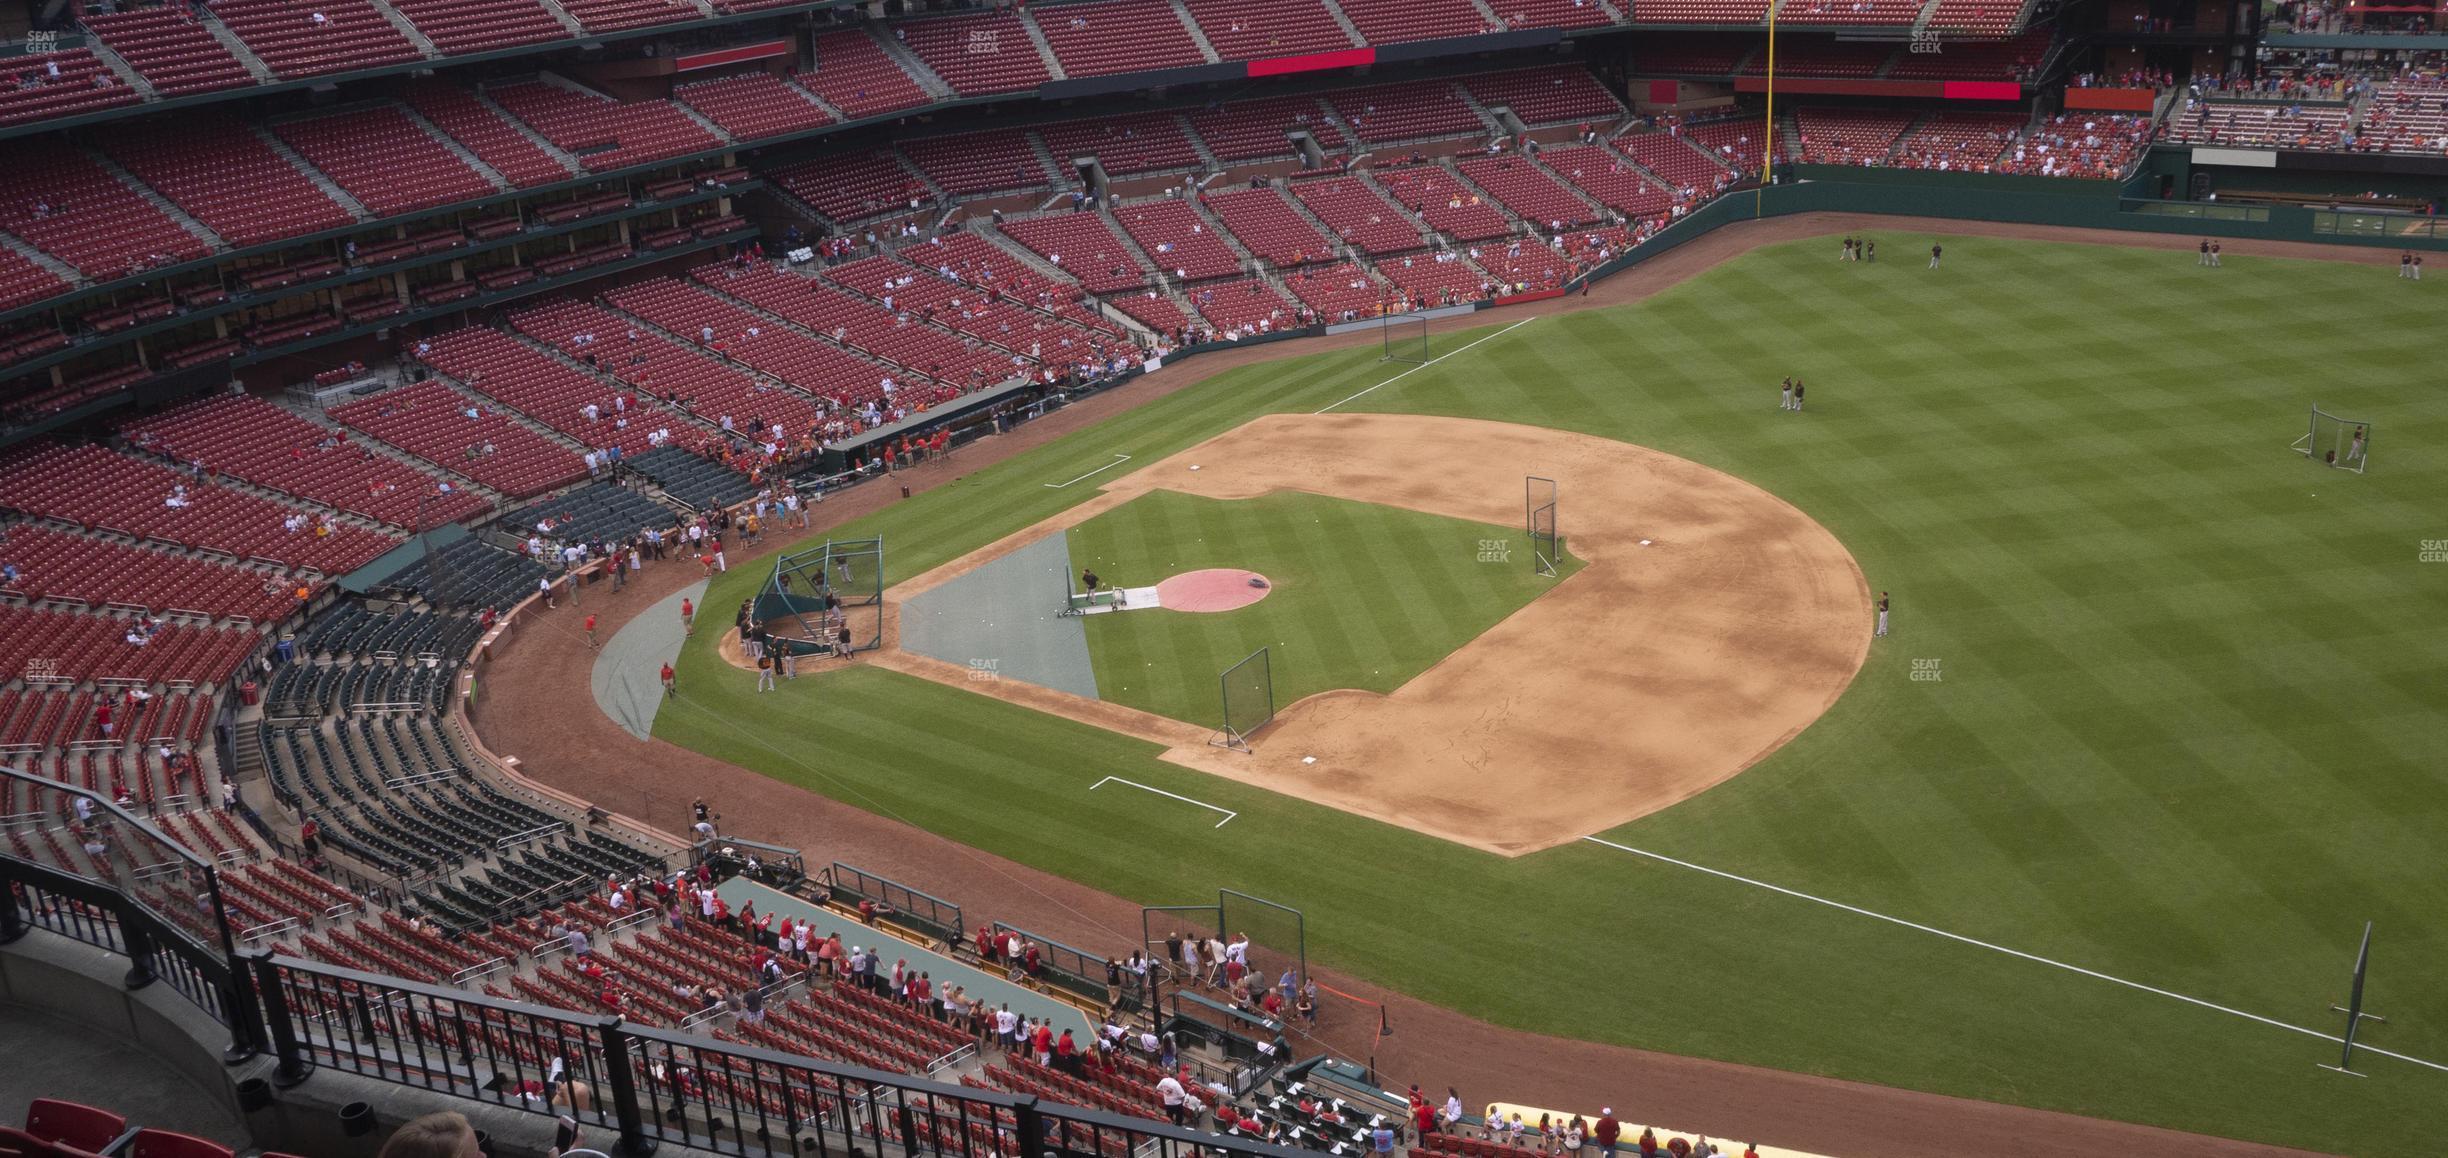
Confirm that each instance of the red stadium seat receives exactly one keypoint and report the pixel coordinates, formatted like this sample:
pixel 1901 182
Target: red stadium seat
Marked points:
pixel 169 1144
pixel 82 1126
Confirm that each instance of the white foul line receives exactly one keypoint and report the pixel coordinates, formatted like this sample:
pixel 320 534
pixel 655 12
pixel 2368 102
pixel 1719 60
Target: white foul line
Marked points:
pixel 1430 362
pixel 1958 937
pixel 1119 459
pixel 1228 813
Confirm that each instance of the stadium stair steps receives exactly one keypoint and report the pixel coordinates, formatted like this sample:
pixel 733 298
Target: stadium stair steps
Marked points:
pixel 330 188
pixel 1631 163
pixel 517 417
pixel 1560 179
pixel 120 68
pixel 1614 11
pixel 609 384
pixel 1036 262
pixel 533 137
pixel 703 122
pixel 52 265
pixel 1215 225
pixel 255 65
pixel 1045 51
pixel 564 15
pixel 1198 36
pixel 814 98
pixel 1130 245
pixel 1488 13
pixel 465 155
pixel 1343 20
pixel 155 199
pixel 1342 247
pixel 1429 237
pixel 1198 145
pixel 1456 175
pixel 1064 176
pixel 1920 22
pixel 416 38
pixel 458 481
pixel 937 88
pixel 1720 162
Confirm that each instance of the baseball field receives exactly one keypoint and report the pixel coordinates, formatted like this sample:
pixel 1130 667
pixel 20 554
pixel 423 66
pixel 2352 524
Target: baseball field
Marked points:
pixel 2096 829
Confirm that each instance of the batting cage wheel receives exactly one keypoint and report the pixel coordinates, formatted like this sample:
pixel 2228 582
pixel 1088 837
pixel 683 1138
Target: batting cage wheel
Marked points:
pixel 2344 443
pixel 1406 339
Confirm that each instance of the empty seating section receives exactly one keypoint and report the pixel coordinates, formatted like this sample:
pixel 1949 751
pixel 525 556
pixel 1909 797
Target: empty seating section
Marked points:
pixel 833 313
pixel 551 392
pixel 967 164
pixel 985 53
pixel 1699 11
pixel 1253 130
pixel 389 163
pixel 1603 175
pixel 2259 124
pixel 609 15
pixel 963 309
pixel 1127 144
pixel 1848 136
pixel 1528 191
pixel 1154 310
pixel 148 500
pixel 221 173
pixel 1358 215
pixel 849 187
pixel 1393 21
pixel 310 37
pixel 595 511
pixel 431 420
pixel 1083 245
pixel 1268 225
pixel 1555 95
pixel 168 47
pixel 1670 156
pixel 1832 58
pixel 1248 304
pixel 1976 17
pixel 481 25
pixel 1178 239
pixel 753 104
pixel 714 392
pixel 1255 29
pixel 1410 111
pixel 1337 292
pixel 692 478
pixel 854 74
pixel 1829 135
pixel 1850 11
pixel 819 368
pixel 58 565
pixel 23 282
pixel 1693 54
pixel 76 211
pixel 482 131
pixel 1958 142
pixel 59 84
pixel 1550 13
pixel 1735 141
pixel 80 647
pixel 2406 118
pixel 251 439
pixel 1110 36
pixel 1977 60
pixel 602 133
pixel 1438 198
pixel 1429 280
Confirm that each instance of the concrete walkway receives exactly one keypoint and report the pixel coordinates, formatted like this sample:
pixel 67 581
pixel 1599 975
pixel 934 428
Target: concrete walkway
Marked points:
pixel 627 678
pixel 51 1057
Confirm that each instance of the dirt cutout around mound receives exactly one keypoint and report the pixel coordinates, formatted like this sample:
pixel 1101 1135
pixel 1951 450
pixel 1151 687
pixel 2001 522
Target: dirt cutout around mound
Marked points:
pixel 1650 675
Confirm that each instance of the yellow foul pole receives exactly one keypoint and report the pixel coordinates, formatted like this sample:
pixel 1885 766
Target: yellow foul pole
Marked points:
pixel 1768 138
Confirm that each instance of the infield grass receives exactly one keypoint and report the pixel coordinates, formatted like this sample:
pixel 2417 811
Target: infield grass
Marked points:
pixel 2187 727
pixel 1365 596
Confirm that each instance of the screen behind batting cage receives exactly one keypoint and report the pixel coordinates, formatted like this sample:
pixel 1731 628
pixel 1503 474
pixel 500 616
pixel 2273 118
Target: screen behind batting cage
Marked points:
pixel 1406 338
pixel 1539 510
pixel 1248 692
pixel 791 604
pixel 2344 443
pixel 1278 933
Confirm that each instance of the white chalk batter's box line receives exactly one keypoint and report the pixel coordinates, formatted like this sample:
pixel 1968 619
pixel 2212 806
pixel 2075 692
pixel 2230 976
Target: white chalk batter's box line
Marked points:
pixel 1228 813
pixel 1959 938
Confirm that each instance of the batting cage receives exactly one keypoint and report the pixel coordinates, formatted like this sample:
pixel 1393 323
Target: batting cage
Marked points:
pixel 1406 339
pixel 2344 443
pixel 1248 691
pixel 1539 513
pixel 813 596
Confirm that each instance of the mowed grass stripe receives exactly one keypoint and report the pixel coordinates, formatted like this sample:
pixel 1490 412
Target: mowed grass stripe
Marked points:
pixel 2187 730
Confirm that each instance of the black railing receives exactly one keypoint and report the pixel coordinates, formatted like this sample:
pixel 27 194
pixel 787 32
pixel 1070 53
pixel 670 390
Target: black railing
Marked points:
pixel 776 865
pixel 933 915
pixel 1077 970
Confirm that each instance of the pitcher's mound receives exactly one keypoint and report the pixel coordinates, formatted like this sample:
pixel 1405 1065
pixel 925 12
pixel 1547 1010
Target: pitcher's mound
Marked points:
pixel 1214 589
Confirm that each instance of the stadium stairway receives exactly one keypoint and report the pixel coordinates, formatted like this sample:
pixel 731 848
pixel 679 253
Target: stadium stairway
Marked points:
pixel 1198 36
pixel 254 64
pixel 185 220
pixel 330 188
pixel 466 156
pixel 407 28
pixel 936 87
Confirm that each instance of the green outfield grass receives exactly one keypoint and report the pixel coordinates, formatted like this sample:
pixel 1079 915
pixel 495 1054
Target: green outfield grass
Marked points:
pixel 2186 730
pixel 1364 596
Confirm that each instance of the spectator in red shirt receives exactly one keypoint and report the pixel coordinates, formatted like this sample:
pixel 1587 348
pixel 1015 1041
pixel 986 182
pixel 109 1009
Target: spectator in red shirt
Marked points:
pixel 668 688
pixel 1608 1131
pixel 590 630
